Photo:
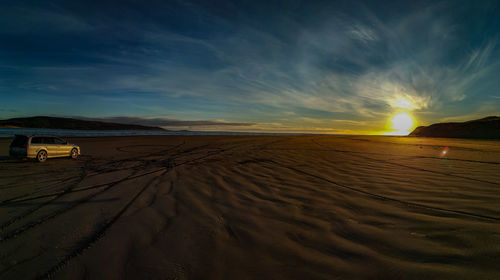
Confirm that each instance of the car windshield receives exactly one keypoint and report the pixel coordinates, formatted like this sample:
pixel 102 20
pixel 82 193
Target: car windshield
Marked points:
pixel 19 141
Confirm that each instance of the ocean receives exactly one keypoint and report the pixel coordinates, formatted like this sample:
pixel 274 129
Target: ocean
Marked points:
pixel 10 132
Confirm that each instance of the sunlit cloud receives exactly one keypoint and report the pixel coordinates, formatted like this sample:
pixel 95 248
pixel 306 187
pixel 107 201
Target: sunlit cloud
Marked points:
pixel 402 103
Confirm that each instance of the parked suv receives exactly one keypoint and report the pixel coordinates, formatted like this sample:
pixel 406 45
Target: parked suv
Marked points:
pixel 42 147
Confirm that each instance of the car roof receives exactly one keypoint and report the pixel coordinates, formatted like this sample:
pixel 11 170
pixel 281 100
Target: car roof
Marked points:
pixel 37 135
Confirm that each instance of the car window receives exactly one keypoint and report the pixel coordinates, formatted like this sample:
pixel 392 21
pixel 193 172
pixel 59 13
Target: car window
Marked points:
pixel 36 140
pixel 59 141
pixel 48 140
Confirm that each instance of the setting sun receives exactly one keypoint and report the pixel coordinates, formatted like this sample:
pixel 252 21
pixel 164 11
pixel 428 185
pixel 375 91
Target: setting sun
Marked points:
pixel 401 124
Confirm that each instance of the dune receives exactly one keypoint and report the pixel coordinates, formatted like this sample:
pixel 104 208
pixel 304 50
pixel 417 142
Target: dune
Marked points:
pixel 254 207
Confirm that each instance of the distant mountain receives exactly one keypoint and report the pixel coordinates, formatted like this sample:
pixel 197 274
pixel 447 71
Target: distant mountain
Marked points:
pixel 69 123
pixel 486 128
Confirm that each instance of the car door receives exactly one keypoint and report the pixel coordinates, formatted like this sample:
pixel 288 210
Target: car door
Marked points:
pixel 52 150
pixel 62 147
pixel 35 146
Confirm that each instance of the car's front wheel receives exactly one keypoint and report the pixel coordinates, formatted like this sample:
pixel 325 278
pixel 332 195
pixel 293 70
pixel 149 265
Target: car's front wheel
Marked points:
pixel 74 153
pixel 41 156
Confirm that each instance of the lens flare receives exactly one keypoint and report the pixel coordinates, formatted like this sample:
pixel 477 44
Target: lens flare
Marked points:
pixel 444 152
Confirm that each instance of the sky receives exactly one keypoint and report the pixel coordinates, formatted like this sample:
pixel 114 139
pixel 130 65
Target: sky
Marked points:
pixel 348 67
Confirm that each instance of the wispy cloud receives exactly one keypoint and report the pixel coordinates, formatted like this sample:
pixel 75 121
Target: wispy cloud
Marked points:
pixel 19 19
pixel 363 33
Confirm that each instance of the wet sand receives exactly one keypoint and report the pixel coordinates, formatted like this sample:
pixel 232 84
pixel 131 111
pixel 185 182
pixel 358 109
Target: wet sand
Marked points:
pixel 254 207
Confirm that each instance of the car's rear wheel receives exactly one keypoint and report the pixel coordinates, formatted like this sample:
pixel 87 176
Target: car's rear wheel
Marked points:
pixel 74 153
pixel 41 156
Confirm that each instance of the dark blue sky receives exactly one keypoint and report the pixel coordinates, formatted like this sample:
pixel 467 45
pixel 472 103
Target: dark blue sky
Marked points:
pixel 315 66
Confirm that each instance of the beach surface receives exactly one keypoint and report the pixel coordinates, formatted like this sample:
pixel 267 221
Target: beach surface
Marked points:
pixel 254 207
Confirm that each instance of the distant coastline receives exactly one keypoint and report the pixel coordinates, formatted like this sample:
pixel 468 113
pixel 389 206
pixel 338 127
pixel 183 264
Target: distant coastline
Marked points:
pixel 70 123
pixel 485 128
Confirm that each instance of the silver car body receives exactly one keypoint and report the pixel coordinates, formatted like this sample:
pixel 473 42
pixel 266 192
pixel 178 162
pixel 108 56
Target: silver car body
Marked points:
pixel 30 146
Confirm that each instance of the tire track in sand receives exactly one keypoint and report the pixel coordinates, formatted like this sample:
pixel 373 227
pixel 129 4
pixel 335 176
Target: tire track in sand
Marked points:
pixel 101 232
pixel 386 198
pixel 59 194
pixel 406 166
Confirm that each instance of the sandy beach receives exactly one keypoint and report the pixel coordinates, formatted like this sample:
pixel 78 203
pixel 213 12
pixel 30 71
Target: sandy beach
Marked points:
pixel 254 207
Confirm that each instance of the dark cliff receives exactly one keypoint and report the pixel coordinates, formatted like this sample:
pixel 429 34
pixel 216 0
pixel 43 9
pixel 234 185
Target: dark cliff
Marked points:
pixel 486 128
